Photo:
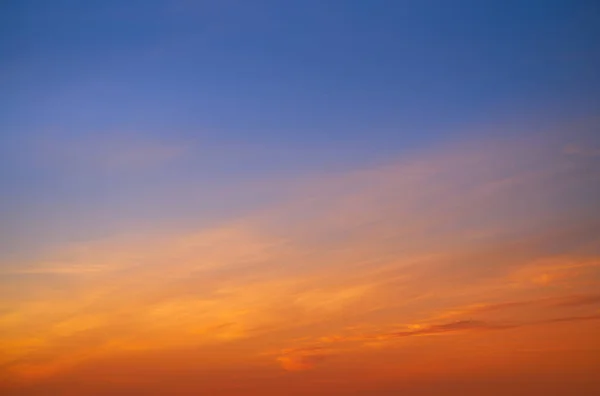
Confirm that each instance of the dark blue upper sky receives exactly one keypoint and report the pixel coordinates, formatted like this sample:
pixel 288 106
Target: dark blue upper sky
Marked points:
pixel 294 71
pixel 354 79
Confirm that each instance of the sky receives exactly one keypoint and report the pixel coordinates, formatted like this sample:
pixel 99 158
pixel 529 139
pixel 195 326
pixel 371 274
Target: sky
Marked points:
pixel 330 197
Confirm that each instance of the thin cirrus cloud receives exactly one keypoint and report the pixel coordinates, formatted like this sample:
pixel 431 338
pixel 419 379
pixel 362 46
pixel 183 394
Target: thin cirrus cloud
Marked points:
pixel 459 241
pixel 462 323
pixel 302 359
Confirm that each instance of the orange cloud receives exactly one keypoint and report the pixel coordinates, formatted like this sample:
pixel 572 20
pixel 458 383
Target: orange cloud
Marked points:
pixel 459 242
pixel 302 359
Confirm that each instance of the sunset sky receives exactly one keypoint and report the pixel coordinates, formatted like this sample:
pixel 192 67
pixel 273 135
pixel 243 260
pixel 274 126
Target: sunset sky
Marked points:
pixel 299 197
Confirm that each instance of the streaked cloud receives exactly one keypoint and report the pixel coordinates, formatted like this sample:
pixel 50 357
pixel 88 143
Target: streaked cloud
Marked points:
pixel 302 359
pixel 453 242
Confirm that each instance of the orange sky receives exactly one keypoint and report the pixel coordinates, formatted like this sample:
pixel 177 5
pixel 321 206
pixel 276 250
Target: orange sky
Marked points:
pixel 466 270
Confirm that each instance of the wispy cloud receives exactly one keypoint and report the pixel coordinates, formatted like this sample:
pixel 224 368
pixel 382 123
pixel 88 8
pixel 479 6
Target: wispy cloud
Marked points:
pixel 453 327
pixel 296 359
pixel 580 318
pixel 302 359
pixel 567 301
pixel 576 301
pixel 458 242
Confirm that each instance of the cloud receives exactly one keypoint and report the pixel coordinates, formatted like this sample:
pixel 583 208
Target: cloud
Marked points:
pixel 580 318
pixel 330 300
pixel 426 330
pixel 576 301
pixel 396 243
pixel 297 359
pixel 557 269
pixel 540 304
pixel 309 356
pixel 302 359
pixel 452 327
pixel 483 308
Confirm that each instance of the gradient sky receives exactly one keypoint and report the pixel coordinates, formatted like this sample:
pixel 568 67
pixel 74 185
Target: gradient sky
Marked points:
pixel 271 197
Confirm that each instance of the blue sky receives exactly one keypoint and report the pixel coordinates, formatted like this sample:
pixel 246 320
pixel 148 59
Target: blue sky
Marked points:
pixel 341 197
pixel 254 89
pixel 294 71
